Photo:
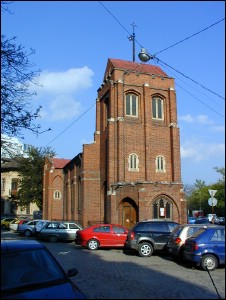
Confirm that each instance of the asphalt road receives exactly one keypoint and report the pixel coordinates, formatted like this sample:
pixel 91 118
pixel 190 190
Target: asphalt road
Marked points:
pixel 114 274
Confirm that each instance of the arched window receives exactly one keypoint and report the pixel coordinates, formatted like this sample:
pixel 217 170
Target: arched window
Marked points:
pixel 131 105
pixel 57 194
pixel 133 162
pixel 160 164
pixel 157 108
pixel 163 209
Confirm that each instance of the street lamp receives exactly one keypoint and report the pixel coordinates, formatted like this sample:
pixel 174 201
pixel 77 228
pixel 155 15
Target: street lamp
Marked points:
pixel 144 55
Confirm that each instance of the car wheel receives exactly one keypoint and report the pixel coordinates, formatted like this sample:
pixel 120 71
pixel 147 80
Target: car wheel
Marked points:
pixel 209 261
pixel 93 244
pixel 27 233
pixel 3 226
pixel 53 239
pixel 145 249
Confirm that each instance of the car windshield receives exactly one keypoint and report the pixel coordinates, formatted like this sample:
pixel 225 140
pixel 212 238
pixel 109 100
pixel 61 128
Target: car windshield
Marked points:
pixel 30 267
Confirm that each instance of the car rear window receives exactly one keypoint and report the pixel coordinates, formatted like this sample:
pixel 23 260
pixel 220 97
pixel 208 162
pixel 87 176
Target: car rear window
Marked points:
pixel 158 226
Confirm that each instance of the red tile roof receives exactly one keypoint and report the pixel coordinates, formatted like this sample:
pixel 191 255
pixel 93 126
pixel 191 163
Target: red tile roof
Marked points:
pixel 59 163
pixel 139 67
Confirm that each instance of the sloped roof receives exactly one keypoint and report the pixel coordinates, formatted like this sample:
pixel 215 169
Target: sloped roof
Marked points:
pixel 134 66
pixel 59 163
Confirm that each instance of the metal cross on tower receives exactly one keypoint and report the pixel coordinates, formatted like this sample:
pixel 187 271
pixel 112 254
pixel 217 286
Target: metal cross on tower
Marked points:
pixel 132 38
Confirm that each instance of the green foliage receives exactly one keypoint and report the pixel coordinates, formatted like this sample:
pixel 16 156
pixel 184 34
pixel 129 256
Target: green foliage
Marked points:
pixel 199 195
pixel 31 176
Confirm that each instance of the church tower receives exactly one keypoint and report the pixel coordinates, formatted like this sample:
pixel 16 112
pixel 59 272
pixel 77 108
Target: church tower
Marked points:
pixel 139 142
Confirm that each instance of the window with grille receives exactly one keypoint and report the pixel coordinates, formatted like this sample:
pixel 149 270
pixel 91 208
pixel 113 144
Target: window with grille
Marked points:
pixel 131 105
pixel 160 164
pixel 162 208
pixel 133 162
pixel 157 108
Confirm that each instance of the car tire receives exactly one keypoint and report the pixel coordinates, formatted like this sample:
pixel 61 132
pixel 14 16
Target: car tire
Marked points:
pixel 28 233
pixel 53 239
pixel 209 261
pixel 93 244
pixel 145 249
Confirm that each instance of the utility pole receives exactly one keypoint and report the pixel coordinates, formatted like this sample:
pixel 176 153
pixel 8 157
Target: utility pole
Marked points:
pixel 132 38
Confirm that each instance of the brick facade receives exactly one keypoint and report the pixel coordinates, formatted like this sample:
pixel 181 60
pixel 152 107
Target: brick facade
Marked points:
pixel 99 185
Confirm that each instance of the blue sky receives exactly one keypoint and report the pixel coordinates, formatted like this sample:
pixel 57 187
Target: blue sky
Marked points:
pixel 73 41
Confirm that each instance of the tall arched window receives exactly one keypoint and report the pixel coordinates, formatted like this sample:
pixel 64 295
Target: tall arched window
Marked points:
pixel 57 194
pixel 160 164
pixel 131 105
pixel 133 162
pixel 157 108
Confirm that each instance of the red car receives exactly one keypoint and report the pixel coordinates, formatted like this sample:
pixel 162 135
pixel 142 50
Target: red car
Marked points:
pixel 102 235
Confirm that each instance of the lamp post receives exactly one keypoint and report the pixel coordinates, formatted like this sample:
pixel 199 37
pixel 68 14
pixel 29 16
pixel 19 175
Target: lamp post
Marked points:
pixel 144 55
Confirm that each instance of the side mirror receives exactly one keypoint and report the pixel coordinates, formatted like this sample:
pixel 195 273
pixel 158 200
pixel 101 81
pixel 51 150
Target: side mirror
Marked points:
pixel 72 272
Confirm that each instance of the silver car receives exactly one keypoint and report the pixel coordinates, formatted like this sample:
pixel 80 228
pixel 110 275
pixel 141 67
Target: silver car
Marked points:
pixel 54 231
pixel 177 238
pixel 29 228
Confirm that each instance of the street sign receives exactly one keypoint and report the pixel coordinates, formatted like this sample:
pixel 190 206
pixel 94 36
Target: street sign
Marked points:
pixel 212 201
pixel 212 193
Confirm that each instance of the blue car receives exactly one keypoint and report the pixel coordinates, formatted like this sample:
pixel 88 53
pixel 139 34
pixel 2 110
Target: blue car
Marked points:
pixel 30 271
pixel 206 247
pixel 191 220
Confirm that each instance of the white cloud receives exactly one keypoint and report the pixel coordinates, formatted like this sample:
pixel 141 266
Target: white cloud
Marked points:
pixel 199 151
pixel 187 118
pixel 69 81
pixel 63 107
pixel 59 90
pixel 201 119
pixel 218 128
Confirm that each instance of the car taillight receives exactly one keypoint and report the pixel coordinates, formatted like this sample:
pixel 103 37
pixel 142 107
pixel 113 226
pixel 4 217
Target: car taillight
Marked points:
pixel 194 246
pixel 177 240
pixel 132 235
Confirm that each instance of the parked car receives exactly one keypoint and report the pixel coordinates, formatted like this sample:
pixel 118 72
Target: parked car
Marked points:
pixel 206 247
pixel 30 271
pixel 102 235
pixel 29 228
pixel 191 220
pixel 177 238
pixel 202 220
pixel 55 231
pixel 220 221
pixel 13 225
pixel 6 221
pixel 145 237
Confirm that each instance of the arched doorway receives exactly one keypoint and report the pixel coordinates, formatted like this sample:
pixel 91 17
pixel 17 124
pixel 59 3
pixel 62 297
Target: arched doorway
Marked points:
pixel 129 213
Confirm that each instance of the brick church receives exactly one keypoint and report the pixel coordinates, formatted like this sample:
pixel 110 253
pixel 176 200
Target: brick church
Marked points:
pixel 132 170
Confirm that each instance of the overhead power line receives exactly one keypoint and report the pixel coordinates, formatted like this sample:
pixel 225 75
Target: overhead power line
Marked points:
pixel 190 36
pixel 157 59
pixel 71 124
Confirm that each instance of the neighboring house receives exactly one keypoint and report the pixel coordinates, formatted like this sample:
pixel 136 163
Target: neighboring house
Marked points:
pixel 9 189
pixel 132 170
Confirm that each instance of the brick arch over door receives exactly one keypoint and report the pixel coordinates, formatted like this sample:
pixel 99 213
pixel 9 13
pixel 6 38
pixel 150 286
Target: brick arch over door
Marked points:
pixel 163 207
pixel 128 212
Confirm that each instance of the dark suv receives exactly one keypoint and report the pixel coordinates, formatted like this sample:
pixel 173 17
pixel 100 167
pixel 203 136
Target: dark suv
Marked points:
pixel 149 235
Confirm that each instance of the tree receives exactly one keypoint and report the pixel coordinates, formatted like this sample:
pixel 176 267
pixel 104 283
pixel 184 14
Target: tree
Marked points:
pixel 31 176
pixel 17 77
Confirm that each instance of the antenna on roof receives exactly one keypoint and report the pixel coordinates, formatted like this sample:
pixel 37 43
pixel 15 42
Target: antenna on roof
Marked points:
pixel 132 38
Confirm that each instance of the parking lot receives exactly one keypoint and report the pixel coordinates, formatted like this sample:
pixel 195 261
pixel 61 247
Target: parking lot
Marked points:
pixel 116 274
